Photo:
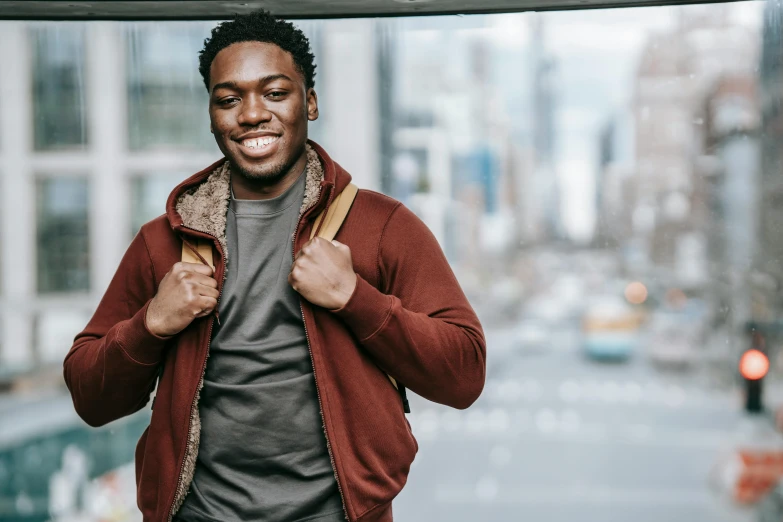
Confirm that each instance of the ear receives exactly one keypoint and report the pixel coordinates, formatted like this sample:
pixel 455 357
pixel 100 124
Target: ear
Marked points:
pixel 312 105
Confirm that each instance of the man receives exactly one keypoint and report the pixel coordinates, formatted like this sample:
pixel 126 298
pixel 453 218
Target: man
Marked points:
pixel 292 417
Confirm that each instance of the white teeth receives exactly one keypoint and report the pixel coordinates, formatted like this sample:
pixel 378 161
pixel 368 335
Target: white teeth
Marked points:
pixel 255 143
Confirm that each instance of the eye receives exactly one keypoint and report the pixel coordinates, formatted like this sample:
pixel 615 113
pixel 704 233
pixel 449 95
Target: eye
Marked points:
pixel 276 94
pixel 226 101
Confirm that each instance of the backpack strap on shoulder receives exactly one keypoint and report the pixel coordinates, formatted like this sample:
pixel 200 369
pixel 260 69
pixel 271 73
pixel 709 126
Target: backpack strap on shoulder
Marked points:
pixel 334 218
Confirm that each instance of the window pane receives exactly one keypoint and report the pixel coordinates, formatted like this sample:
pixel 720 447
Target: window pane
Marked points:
pixel 167 100
pixel 63 248
pixel 149 195
pixel 58 86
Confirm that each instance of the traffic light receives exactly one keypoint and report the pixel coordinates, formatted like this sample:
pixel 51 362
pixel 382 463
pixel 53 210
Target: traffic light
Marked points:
pixel 753 366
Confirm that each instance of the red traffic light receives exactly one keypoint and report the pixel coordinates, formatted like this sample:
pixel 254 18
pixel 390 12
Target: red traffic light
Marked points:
pixel 753 365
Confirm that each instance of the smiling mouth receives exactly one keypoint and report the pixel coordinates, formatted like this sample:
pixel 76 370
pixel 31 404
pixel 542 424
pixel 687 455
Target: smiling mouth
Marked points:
pixel 258 143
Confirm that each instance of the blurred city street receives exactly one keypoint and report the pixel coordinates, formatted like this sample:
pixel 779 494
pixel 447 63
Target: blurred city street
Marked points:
pixel 558 436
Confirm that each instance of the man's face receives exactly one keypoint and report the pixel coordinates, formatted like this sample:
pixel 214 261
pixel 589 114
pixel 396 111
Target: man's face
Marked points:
pixel 259 109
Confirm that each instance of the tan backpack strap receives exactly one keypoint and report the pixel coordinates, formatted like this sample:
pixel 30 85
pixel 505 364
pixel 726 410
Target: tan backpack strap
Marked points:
pixel 338 210
pixel 204 248
pixel 393 381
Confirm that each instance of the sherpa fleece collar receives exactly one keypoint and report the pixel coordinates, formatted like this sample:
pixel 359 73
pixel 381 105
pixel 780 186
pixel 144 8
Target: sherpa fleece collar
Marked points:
pixel 204 207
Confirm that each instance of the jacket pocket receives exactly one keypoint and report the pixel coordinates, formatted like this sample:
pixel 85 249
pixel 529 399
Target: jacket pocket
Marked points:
pixel 381 445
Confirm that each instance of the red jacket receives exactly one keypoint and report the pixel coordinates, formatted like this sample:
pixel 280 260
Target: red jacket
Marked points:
pixel 407 317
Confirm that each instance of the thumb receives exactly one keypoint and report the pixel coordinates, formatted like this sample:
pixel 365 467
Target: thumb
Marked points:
pixel 337 243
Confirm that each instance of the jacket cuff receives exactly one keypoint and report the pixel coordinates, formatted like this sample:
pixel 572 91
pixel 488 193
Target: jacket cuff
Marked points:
pixel 366 311
pixel 141 345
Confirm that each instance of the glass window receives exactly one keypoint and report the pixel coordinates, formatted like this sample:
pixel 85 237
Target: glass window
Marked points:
pixel 149 194
pixel 58 86
pixel 607 187
pixel 167 100
pixel 63 246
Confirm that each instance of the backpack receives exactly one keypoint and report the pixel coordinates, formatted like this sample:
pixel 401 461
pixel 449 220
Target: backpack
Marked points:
pixel 334 218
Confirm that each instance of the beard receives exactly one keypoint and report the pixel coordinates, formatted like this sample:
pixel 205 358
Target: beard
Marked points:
pixel 266 175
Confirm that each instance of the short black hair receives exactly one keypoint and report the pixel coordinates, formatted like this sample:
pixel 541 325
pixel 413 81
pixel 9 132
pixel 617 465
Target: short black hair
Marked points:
pixel 259 26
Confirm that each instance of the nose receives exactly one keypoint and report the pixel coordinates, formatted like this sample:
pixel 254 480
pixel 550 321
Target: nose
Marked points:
pixel 254 112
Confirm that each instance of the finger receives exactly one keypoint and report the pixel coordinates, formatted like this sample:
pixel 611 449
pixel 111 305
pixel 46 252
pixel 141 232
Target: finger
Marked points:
pixel 339 245
pixel 302 250
pixel 203 280
pixel 205 305
pixel 207 291
pixel 198 268
pixel 294 282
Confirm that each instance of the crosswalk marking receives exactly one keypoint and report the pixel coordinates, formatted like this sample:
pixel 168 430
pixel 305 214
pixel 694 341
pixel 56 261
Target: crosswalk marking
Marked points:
pixel 567 425
pixel 609 392
pixel 489 489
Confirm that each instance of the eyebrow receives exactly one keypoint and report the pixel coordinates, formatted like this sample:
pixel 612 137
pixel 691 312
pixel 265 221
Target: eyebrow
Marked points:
pixel 265 79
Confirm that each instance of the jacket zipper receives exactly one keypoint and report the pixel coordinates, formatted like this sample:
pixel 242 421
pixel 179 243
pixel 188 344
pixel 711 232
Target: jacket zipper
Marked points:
pixel 200 383
pixel 323 419
pixel 317 390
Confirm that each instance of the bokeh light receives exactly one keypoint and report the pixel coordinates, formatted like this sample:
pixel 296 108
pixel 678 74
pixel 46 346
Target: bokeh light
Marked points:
pixel 753 365
pixel 636 293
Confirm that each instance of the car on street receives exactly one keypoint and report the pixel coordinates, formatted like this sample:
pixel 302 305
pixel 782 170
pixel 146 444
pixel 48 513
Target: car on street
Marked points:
pixel 610 328
pixel 673 338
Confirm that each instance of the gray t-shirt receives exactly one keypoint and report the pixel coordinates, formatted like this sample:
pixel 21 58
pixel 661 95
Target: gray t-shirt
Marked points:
pixel 263 453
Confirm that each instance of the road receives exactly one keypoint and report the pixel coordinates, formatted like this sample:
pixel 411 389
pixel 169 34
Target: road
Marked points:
pixel 553 438
pixel 556 437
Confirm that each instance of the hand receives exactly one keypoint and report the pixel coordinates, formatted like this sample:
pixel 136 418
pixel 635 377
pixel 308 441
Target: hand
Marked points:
pixel 323 273
pixel 187 292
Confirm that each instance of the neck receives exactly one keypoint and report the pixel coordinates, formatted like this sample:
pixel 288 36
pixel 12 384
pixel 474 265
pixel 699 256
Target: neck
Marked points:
pixel 245 188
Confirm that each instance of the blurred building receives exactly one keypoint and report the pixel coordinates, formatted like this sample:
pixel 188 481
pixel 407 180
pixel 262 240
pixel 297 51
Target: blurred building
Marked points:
pixel 768 262
pixel 615 182
pixel 676 71
pixel 544 106
pixel 98 122
pixel 729 180
pixel 461 161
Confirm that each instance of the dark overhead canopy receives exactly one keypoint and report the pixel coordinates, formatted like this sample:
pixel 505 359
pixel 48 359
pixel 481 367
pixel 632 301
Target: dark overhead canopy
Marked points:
pixel 217 10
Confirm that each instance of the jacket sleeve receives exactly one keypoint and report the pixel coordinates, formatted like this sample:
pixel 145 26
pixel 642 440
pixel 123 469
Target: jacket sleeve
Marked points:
pixel 112 366
pixel 421 328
